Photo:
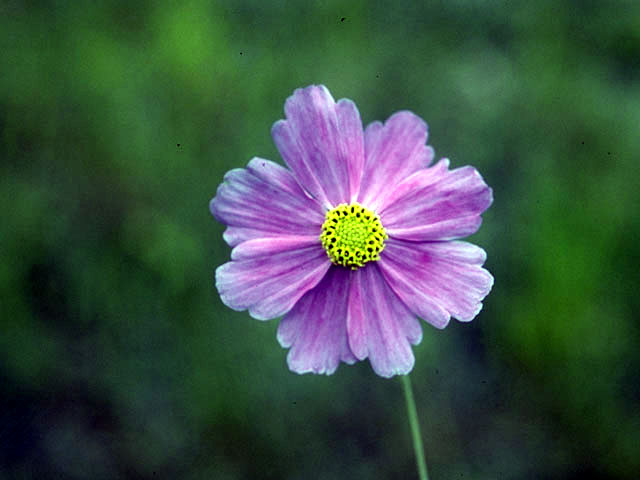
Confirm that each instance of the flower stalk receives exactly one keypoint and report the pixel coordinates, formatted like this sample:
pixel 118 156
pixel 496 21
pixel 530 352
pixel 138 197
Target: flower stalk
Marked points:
pixel 415 428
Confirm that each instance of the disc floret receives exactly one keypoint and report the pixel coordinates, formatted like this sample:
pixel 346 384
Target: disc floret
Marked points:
pixel 352 235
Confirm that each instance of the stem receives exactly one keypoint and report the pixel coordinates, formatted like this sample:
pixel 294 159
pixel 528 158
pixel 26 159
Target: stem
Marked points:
pixel 415 428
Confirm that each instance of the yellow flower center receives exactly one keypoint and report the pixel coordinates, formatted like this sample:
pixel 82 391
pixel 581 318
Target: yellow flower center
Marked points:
pixel 352 235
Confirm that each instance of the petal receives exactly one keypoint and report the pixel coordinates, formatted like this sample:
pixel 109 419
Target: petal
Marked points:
pixel 437 280
pixel 322 142
pixel 379 325
pixel 393 151
pixel 316 328
pixel 259 247
pixel 437 204
pixel 236 235
pixel 264 200
pixel 269 286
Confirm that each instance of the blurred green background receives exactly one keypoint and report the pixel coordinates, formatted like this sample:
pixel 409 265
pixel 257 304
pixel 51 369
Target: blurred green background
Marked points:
pixel 117 122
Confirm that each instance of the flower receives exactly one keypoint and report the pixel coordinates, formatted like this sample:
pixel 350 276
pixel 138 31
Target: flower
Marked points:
pixel 355 240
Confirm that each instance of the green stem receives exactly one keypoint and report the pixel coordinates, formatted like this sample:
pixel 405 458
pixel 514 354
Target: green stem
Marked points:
pixel 415 428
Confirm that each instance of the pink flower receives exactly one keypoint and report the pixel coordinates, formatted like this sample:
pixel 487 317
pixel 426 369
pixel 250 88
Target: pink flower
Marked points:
pixel 355 240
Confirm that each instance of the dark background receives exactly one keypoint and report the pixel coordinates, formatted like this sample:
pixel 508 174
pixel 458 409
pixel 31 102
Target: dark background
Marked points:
pixel 117 122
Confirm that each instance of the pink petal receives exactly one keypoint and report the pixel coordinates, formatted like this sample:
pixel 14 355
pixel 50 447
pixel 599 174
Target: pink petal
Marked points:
pixel 436 204
pixel 269 286
pixel 379 325
pixel 393 151
pixel 236 235
pixel 264 200
pixel 437 280
pixel 259 247
pixel 322 142
pixel 316 328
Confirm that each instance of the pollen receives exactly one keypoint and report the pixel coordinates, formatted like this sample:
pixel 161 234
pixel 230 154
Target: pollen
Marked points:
pixel 352 235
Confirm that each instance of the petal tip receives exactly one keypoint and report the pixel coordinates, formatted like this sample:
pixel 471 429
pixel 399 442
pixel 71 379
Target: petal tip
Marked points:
pixel 440 324
pixel 212 206
pixel 257 315
pixel 277 128
pixel 299 366
pixel 347 103
pixel 489 197
pixel 305 95
pixel 429 155
pixel 408 115
pixel 399 368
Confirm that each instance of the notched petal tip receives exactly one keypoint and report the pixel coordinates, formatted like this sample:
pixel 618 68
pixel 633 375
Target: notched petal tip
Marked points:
pixel 349 106
pixel 373 127
pixel 471 316
pixel 441 324
pixel 220 190
pixel 212 205
pixel 387 371
pixel 277 127
pixel 311 97
pixel 481 295
pixel 429 155
pixel 318 89
pixel 408 116
pixel 301 367
pixel 223 290
pixel 490 196
pixel 486 192
pixel 443 164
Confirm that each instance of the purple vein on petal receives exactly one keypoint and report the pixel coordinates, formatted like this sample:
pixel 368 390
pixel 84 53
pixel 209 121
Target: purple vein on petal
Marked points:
pixel 269 286
pixel 379 325
pixel 264 200
pixel 322 142
pixel 315 329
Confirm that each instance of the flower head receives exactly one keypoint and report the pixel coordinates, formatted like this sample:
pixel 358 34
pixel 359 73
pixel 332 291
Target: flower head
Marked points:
pixel 355 240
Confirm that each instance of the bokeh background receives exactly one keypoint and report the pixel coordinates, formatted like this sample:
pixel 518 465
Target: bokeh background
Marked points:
pixel 117 122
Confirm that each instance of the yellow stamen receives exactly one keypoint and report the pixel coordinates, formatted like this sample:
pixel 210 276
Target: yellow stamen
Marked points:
pixel 352 235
